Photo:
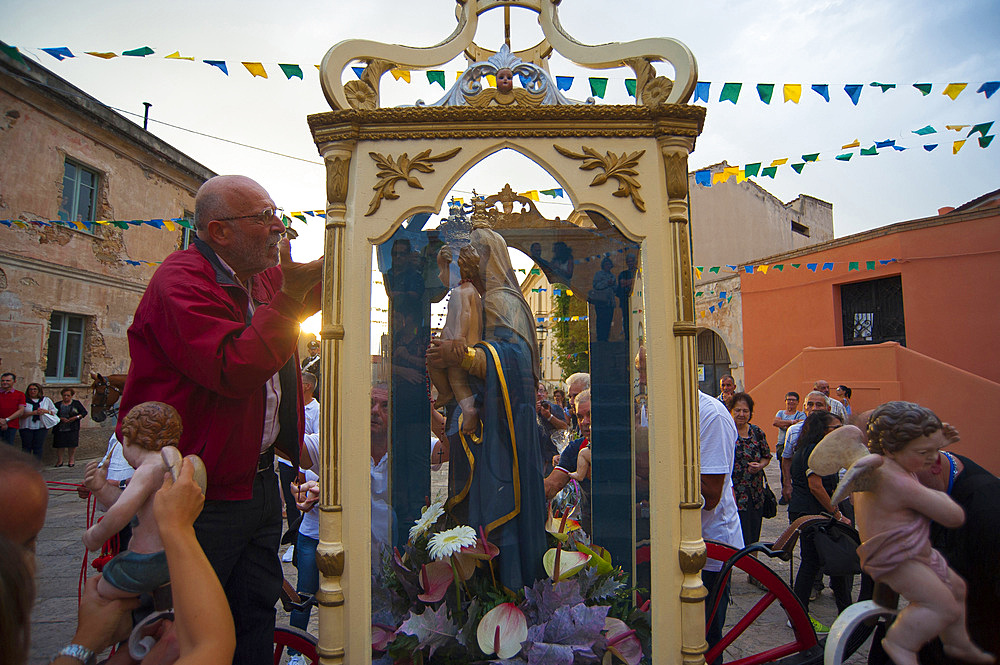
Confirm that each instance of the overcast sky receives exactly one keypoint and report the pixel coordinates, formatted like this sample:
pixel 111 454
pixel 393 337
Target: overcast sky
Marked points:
pixel 836 42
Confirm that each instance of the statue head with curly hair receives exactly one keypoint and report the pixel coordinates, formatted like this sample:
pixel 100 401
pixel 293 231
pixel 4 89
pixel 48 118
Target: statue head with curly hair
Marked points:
pixel 894 424
pixel 152 425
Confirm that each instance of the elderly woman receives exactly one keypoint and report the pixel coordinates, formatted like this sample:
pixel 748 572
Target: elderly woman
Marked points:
pixel 67 432
pixel 752 456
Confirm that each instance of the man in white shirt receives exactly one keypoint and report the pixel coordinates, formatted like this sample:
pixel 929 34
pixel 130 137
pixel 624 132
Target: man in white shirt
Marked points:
pixel 720 520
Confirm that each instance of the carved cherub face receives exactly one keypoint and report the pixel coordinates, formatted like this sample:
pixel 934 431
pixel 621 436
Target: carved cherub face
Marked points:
pixel 920 453
pixel 505 80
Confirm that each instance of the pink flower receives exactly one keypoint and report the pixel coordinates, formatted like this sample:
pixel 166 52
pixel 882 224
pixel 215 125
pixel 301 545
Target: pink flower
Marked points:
pixel 501 631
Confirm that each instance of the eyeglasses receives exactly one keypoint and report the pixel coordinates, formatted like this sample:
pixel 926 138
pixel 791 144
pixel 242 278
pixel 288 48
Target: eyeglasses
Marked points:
pixel 263 218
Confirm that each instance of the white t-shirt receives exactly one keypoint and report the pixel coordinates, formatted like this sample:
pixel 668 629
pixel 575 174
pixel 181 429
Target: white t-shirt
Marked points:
pixel 718 453
pixel 311 423
pixel 118 468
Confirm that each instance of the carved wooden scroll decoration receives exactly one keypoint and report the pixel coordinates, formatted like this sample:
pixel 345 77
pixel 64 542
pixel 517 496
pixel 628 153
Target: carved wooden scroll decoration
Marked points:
pixel 620 167
pixel 391 172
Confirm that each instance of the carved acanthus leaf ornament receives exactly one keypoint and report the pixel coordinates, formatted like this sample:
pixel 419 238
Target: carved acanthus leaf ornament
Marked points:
pixel 620 167
pixel 391 172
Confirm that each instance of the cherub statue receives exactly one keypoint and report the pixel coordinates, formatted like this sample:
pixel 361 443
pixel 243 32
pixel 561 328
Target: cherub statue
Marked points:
pixel 149 434
pixel 464 322
pixel 894 512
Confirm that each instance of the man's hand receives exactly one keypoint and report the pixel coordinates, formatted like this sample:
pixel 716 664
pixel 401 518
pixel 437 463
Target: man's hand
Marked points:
pixel 544 412
pixel 444 353
pixel 94 478
pixel 101 621
pixel 177 505
pixel 298 278
pixel 306 495
pixel 786 492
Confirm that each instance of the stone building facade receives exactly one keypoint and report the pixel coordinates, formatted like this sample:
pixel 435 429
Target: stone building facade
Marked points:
pixel 67 295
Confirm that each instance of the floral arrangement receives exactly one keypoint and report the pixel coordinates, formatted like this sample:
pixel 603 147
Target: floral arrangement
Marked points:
pixel 438 602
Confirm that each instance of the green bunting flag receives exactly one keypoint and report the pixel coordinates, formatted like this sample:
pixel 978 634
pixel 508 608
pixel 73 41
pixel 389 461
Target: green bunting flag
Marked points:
pixel 751 169
pixel 769 171
pixel 884 86
pixel 798 167
pixel 765 91
pixel 811 158
pixel 139 52
pixel 982 129
pixel 869 151
pixel 846 157
pixel 435 76
pixel 924 88
pixel 869 265
pixel 853 265
pixel 12 52
pixel 630 87
pixel 291 70
pixel 730 92
pixel 985 140
pixel 924 131
pixel 598 86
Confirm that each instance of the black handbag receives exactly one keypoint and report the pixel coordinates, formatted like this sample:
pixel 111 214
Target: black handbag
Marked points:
pixel 837 546
pixel 770 508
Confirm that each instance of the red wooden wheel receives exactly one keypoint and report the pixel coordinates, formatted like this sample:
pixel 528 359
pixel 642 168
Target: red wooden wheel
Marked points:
pixel 287 637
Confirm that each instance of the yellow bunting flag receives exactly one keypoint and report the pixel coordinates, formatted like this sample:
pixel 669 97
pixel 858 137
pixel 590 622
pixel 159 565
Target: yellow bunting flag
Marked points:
pixel 176 55
pixel 856 143
pixel 779 162
pixel 400 74
pixel 317 67
pixel 256 69
pixel 101 221
pixel 458 75
pixel 954 90
pixel 763 268
pixel 103 56
pixel 531 194
pixel 956 146
pixel 955 128
pixel 792 92
pixel 721 176
pixel 697 272
pixel 741 175
pixel 168 225
pixel 731 170
pixel 492 80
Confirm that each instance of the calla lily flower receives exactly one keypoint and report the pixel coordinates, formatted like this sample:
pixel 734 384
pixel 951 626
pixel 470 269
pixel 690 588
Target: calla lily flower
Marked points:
pixel 570 563
pixel 382 635
pixel 622 641
pixel 600 557
pixel 435 578
pixel 469 557
pixel 501 631
pixel 553 524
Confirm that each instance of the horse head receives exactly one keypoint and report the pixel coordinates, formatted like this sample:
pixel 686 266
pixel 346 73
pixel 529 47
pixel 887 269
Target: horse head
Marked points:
pixel 105 392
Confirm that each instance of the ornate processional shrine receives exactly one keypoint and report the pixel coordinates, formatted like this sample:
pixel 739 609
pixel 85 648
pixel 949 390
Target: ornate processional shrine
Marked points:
pixel 624 250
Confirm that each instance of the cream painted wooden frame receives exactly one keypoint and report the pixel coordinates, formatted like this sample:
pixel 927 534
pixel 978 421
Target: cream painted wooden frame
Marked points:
pixel 345 140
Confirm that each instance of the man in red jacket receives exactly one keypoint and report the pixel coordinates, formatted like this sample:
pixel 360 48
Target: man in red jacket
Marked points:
pixel 214 336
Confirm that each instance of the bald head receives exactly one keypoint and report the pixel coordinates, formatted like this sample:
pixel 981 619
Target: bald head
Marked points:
pixel 24 497
pixel 217 197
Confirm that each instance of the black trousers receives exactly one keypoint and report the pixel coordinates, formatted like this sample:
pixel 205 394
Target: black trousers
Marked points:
pixel 286 474
pixel 809 567
pixel 240 539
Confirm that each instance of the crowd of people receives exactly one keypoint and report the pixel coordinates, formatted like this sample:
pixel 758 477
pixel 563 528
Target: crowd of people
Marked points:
pixel 215 337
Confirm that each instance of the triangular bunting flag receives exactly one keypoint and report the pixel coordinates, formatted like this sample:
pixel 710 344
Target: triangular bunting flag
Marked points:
pixel 102 56
pixel 955 128
pixel 846 157
pixel 697 273
pixel 715 269
pixel 888 143
pixel 853 91
pixel 435 76
pixel 956 146
pixel 141 52
pixel 869 151
pixel 884 86
pixel 630 87
pixel 703 178
pixel 924 88
pixel 852 265
pixel 869 265
pixel 798 167
pixel 730 92
pixel 176 55
pixel 358 71
pixel 255 68
pixel 983 128
pixel 760 268
pixel 400 74
pixel 701 91
pixel 564 82
pixel 221 64
pixel 59 52
pixel 953 90
pixel 823 90
pixel 598 86
pixel 989 88
pixel 854 144
pixel 492 80
pixel 291 70
pixel 764 91
pixel 812 266
pixel 810 157
pixel 924 131
pixel 751 169
pixel 827 266
pixel 780 267
pixel 792 92
pixel 769 171
pixel 779 162
pixel 930 147
pixel 986 140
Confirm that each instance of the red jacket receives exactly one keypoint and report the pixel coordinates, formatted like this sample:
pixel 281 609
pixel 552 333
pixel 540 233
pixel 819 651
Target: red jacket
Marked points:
pixel 192 347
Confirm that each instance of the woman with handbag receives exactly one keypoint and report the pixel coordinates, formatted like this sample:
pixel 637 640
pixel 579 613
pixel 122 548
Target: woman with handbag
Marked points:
pixel 39 416
pixel 753 454
pixel 811 497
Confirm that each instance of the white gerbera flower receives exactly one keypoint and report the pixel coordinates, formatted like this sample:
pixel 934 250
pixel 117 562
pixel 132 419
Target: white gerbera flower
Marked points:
pixel 448 542
pixel 428 517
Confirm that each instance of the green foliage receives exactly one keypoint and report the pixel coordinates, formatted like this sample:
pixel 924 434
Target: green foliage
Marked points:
pixel 572 338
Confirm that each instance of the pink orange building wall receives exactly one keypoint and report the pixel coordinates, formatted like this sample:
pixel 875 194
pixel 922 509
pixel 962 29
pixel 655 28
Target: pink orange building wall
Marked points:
pixel 950 272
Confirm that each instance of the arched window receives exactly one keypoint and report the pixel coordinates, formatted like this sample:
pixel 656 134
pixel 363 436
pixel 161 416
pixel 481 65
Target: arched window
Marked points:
pixel 713 361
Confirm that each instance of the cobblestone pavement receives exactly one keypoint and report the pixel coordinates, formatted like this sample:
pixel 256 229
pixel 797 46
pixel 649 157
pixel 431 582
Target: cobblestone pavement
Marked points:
pixel 60 556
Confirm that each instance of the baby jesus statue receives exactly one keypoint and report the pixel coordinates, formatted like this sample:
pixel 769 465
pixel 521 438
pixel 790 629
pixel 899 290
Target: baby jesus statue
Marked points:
pixel 894 512
pixel 149 433
pixel 464 322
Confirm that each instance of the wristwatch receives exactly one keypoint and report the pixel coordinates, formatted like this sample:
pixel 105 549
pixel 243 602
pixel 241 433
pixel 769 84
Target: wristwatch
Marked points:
pixel 81 653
